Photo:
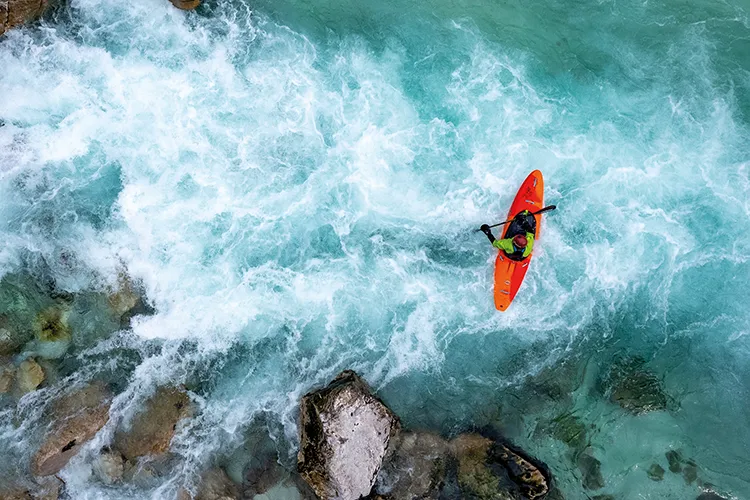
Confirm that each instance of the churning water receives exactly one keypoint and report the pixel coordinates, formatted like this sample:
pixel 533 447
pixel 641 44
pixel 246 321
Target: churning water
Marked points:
pixel 296 185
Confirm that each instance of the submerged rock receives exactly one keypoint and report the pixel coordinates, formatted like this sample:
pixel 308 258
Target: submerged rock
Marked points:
pixel 152 429
pixel 569 429
pixel 344 434
pixel 109 467
pixel 690 472
pixel 590 469
pixel 675 461
pixel 634 388
pixel 494 470
pixel 655 472
pixel 415 466
pixel 29 376
pixel 17 12
pixel 78 417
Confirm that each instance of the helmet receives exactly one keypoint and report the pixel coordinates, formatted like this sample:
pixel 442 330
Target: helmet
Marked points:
pixel 519 241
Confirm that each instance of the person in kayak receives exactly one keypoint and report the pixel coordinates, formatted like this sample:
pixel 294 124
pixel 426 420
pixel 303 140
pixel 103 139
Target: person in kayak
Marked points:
pixel 516 247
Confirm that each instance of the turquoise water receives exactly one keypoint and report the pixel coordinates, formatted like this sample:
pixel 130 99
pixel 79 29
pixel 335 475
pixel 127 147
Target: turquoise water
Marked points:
pixel 296 184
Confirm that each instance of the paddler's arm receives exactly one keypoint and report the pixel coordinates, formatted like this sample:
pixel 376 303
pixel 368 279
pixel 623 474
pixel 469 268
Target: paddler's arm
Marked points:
pixel 488 232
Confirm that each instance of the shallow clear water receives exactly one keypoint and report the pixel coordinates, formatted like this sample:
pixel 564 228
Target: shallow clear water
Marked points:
pixel 296 184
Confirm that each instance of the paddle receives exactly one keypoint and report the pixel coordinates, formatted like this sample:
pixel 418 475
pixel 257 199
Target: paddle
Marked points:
pixel 545 209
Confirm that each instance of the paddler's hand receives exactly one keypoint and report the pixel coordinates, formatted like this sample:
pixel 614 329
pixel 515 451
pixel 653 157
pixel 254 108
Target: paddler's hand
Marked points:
pixel 485 229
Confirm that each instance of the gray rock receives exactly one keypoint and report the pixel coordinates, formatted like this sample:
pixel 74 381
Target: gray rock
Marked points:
pixel 109 467
pixel 655 472
pixel 415 467
pixel 7 375
pixel 78 417
pixel 344 435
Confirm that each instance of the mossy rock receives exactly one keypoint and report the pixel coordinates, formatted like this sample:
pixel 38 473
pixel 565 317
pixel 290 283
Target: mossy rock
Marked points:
pixel 569 429
pixel 51 325
pixel 633 387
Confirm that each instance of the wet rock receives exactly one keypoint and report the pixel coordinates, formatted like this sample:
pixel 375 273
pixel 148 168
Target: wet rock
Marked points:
pixel 7 375
pixel 11 338
pixel 109 467
pixel 151 430
pixel 128 300
pixel 690 472
pixel 675 461
pixel 29 376
pixel 655 472
pixel 710 495
pixel 603 497
pixel 634 388
pixel 490 469
pixel 259 479
pixel 344 435
pixel 51 324
pixel 52 332
pixel 415 466
pixel 78 417
pixel 48 488
pixel 17 12
pixel 186 4
pixel 590 469
pixel 216 485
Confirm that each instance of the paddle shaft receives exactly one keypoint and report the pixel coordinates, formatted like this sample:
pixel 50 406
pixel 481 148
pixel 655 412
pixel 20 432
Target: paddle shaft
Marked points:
pixel 545 209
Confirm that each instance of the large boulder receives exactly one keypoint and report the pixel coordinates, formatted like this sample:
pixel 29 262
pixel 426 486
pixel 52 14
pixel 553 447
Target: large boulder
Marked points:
pixel 16 12
pixel 491 469
pixel 151 430
pixel 78 417
pixel 344 434
pixel 7 375
pixel 415 467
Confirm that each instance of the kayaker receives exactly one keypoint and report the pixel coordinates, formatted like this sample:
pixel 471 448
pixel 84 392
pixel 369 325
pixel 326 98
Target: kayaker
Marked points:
pixel 516 247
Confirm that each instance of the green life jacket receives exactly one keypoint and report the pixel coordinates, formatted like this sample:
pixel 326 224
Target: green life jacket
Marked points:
pixel 509 248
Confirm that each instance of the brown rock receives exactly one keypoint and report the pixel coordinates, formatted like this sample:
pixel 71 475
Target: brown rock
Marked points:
pixel 79 416
pixel 494 470
pixel 216 485
pixel 16 12
pixel 29 376
pixel 152 430
pixel 186 4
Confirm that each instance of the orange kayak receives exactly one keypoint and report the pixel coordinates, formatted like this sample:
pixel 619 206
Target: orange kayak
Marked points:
pixel 509 274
